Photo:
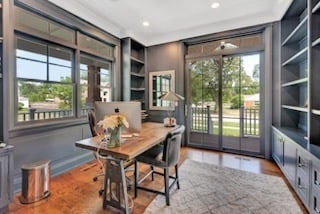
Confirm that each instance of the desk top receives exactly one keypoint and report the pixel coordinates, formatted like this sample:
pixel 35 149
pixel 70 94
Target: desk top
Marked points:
pixel 151 134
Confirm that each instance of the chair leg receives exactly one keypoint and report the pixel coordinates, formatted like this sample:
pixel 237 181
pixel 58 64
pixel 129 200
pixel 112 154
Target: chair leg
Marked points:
pixel 136 178
pixel 177 176
pixel 166 185
pixel 152 174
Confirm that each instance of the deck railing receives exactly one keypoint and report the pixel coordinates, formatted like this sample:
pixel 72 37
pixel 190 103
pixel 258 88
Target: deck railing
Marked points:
pixel 248 123
pixel 43 114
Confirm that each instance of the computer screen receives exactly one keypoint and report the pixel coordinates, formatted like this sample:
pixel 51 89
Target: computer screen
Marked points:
pixel 130 109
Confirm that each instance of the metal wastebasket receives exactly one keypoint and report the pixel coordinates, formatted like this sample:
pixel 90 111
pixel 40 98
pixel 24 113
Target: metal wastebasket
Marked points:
pixel 35 181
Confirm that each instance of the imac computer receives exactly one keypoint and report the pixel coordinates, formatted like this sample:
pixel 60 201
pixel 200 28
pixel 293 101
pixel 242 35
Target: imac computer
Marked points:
pixel 130 109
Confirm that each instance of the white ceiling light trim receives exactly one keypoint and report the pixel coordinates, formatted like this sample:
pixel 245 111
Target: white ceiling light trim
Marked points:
pixel 146 23
pixel 215 5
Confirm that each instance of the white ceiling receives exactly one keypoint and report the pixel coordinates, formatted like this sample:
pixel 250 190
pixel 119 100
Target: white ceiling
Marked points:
pixel 172 20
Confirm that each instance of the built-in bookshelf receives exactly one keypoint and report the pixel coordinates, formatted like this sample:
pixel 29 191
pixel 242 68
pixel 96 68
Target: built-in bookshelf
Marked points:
pixel 133 72
pixel 296 142
pixel 295 82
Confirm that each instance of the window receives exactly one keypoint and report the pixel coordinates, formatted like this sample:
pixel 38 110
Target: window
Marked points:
pixel 44 81
pixel 40 25
pixel 95 81
pixel 49 84
pixel 94 46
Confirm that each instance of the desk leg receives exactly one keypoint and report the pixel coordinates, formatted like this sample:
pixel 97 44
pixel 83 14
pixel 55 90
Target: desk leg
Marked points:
pixel 115 186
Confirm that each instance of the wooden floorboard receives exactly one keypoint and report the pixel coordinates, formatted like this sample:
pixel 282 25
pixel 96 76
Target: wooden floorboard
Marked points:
pixel 74 192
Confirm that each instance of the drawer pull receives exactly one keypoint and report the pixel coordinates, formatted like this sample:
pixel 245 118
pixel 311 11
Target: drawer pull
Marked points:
pixel 301 165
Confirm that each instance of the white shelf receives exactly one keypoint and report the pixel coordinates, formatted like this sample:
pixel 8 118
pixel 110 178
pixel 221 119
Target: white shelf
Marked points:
pixel 295 108
pixel 296 82
pixel 137 60
pixel 315 111
pixel 137 75
pixel 298 57
pixel 138 89
pixel 316 42
pixel 316 7
pixel 298 33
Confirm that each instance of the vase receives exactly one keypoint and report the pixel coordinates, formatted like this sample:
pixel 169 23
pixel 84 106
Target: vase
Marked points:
pixel 115 138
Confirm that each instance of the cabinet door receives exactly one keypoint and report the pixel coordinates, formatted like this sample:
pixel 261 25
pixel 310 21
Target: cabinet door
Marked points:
pixel 303 176
pixel 277 148
pixel 289 160
pixel 4 185
pixel 315 188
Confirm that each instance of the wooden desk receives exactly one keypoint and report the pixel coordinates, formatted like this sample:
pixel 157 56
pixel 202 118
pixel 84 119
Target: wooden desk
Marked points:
pixel 151 134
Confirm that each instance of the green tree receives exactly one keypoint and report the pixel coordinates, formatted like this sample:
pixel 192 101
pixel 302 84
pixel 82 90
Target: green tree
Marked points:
pixel 236 102
pixel 205 80
pixel 40 92
pixel 35 92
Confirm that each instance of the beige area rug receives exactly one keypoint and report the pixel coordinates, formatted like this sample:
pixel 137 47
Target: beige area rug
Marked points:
pixel 206 188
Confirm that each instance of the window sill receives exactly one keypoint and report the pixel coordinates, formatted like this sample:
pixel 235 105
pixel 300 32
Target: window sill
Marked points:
pixel 35 128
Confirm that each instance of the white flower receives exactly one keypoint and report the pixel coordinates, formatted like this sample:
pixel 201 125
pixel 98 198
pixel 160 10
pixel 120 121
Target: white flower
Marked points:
pixel 113 121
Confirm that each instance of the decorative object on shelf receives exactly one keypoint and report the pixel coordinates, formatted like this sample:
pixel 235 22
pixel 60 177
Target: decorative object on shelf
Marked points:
pixel 113 124
pixel 172 98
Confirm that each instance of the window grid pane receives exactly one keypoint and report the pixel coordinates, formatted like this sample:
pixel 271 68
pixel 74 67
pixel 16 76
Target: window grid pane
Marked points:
pixel 40 95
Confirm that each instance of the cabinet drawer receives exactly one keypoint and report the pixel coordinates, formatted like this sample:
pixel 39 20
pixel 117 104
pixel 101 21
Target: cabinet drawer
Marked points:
pixel 316 179
pixel 303 164
pixel 315 203
pixel 303 188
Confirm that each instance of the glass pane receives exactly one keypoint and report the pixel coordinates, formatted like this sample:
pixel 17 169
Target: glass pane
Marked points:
pixel 232 102
pixel 231 71
pixel 204 93
pixel 42 101
pixel 62 32
pixel 31 50
pixel 59 74
pixel 83 75
pixel 105 78
pixel 60 62
pixel 225 44
pixel 251 68
pixel 60 57
pixel 95 46
pixel 30 20
pixel 31 69
pixel 96 79
pixel 84 97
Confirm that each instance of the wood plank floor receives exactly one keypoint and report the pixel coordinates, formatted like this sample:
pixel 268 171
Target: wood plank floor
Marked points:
pixel 74 192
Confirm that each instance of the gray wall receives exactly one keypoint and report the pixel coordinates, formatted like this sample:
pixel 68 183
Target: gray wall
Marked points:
pixel 276 75
pixel 57 145
pixel 168 56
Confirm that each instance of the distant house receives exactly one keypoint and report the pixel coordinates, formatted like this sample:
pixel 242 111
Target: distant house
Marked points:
pixel 251 100
pixel 24 101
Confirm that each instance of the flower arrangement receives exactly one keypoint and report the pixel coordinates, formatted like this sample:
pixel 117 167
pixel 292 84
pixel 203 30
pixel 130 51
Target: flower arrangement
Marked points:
pixel 113 121
pixel 113 124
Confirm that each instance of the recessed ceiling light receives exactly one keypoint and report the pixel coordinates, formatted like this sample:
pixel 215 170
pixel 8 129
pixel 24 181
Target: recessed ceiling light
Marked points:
pixel 215 5
pixel 145 23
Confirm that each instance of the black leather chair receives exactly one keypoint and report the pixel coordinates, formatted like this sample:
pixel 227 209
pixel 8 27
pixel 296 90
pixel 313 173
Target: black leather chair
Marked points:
pixel 169 157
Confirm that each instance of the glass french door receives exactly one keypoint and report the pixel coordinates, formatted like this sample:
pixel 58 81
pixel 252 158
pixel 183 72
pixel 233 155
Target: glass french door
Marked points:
pixel 204 102
pixel 224 102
